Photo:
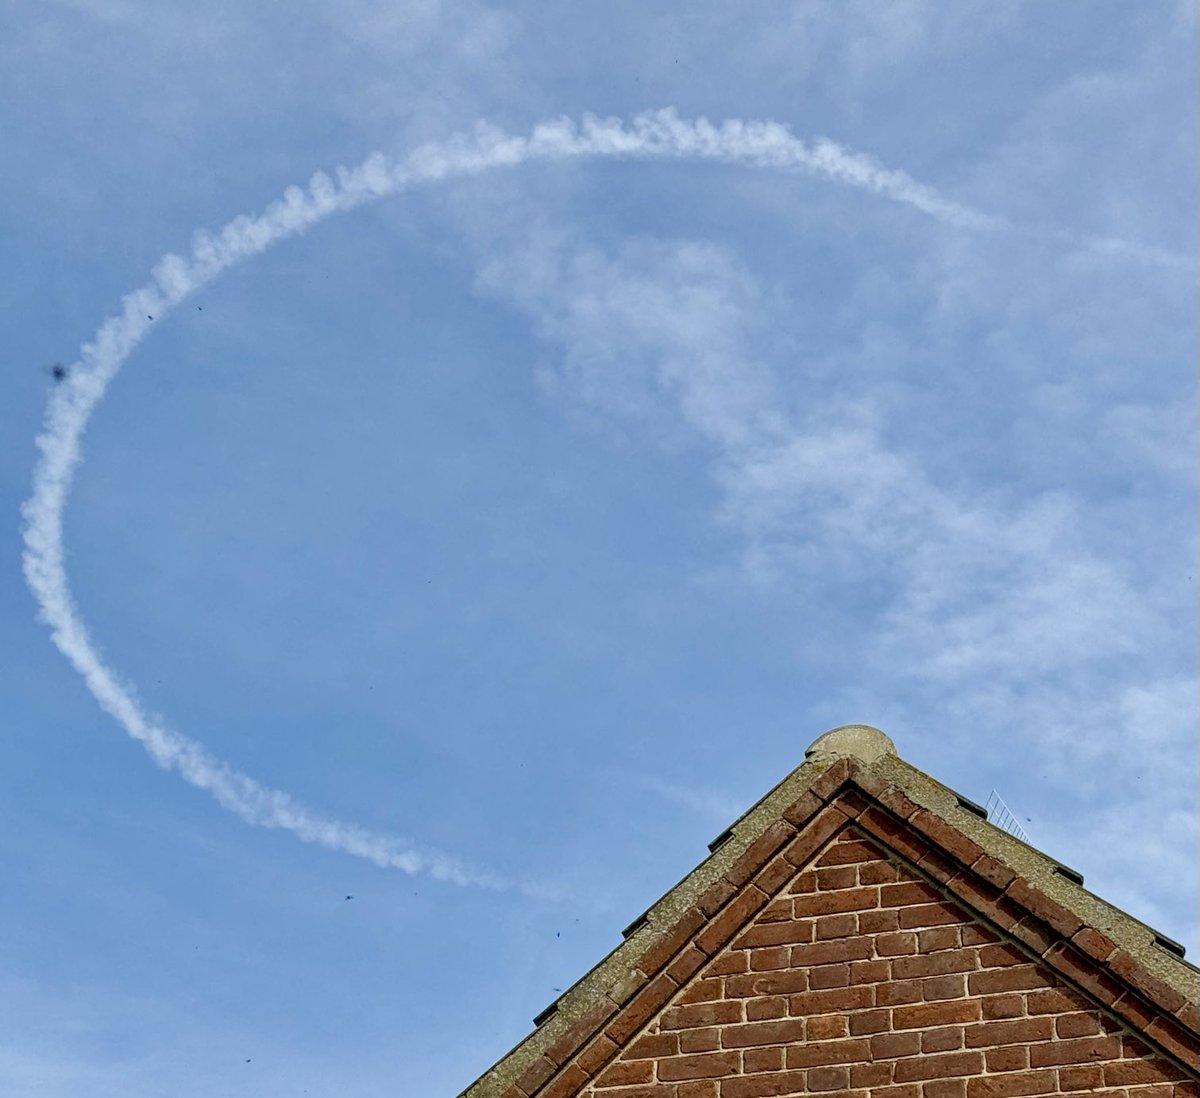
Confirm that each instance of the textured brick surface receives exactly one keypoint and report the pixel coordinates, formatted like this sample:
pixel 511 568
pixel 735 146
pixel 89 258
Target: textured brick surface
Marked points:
pixel 854 975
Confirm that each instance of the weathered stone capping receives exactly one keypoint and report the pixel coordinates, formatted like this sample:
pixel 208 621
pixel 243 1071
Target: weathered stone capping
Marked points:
pixel 864 933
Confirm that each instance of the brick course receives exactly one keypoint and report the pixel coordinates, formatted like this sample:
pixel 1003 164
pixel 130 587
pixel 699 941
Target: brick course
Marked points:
pixel 864 979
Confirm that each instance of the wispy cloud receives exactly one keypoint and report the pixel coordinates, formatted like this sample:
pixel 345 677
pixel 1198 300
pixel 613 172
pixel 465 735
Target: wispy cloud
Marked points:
pixel 70 1038
pixel 719 807
pixel 1018 614
pixel 981 585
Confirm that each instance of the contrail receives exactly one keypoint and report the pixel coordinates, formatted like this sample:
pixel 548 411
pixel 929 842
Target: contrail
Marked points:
pixel 656 135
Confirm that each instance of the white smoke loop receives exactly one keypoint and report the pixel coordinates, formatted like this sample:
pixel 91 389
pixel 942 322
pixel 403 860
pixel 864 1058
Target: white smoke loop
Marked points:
pixel 660 134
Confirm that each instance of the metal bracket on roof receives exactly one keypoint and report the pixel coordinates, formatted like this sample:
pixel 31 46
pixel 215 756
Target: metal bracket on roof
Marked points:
pixel 1169 944
pixel 720 840
pixel 546 1014
pixel 971 806
pixel 636 925
pixel 1072 875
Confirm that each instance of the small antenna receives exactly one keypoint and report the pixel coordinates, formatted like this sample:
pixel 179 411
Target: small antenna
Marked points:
pixel 998 813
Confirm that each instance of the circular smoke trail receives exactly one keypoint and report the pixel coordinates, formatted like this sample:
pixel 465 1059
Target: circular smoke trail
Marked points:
pixel 658 135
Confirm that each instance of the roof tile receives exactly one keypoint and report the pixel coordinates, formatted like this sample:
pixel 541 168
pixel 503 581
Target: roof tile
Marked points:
pixel 1134 972
pixel 1048 910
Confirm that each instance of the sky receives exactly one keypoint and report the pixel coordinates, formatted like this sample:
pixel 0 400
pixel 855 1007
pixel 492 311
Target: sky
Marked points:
pixel 458 566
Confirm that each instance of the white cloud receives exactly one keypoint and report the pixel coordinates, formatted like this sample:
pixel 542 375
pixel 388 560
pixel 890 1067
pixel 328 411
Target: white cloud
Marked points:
pixel 1017 616
pixel 980 585
pixel 64 1039
pixel 720 807
pixel 656 321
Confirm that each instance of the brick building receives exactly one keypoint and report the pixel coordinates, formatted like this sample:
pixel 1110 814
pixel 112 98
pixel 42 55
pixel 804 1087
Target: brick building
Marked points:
pixel 864 931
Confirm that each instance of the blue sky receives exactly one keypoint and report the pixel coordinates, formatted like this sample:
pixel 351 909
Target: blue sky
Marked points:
pixel 536 520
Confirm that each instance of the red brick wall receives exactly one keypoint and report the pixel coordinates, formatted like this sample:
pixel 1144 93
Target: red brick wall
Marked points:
pixel 861 979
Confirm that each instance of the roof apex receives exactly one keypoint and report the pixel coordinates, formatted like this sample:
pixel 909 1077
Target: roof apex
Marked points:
pixel 860 741
pixel 852 776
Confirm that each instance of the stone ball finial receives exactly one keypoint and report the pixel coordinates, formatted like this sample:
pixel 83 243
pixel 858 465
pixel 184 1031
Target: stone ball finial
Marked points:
pixel 860 740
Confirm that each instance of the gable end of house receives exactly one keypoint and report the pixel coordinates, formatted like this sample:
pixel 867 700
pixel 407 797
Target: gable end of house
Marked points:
pixel 862 930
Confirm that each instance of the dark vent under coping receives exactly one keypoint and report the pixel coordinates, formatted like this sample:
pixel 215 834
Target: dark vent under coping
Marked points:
pixel 1072 875
pixel 971 806
pixel 1170 945
pixel 636 925
pixel 546 1014
pixel 720 840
